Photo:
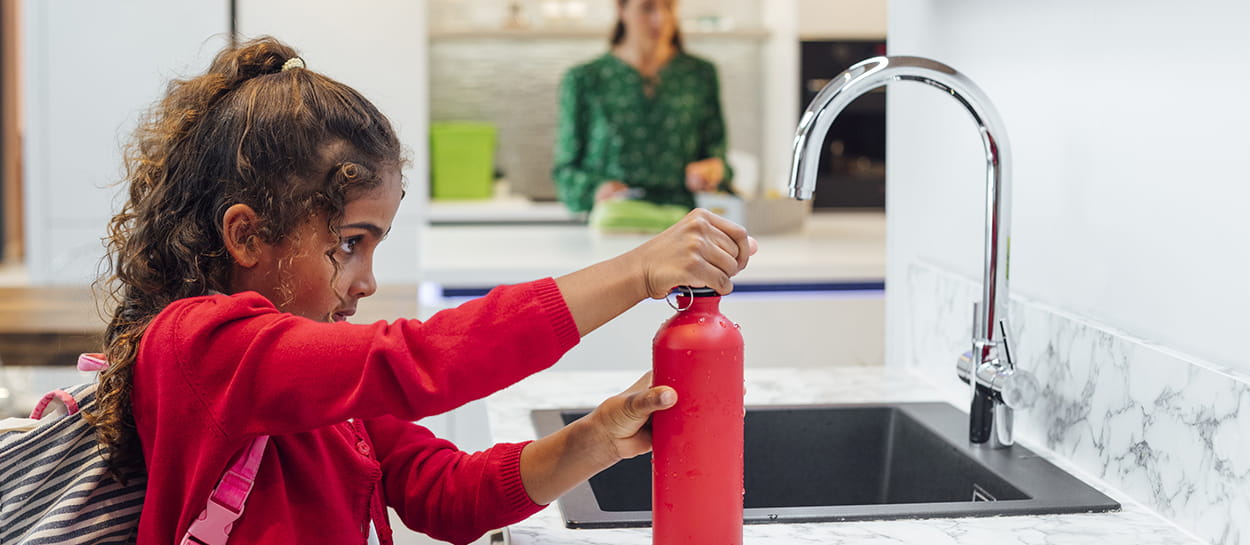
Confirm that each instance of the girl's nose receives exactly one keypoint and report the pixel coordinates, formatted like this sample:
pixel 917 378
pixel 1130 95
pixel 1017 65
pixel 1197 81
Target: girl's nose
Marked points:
pixel 365 284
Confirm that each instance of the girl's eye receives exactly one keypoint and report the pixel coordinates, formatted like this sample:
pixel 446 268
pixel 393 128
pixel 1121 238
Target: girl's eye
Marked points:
pixel 348 246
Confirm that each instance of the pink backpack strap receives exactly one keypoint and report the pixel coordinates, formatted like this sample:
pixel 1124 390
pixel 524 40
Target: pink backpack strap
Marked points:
pixel 71 406
pixel 92 362
pixel 225 504
pixel 86 362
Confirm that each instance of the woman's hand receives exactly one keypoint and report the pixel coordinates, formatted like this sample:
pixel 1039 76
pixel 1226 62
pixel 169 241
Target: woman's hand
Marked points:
pixel 611 190
pixel 705 175
pixel 615 430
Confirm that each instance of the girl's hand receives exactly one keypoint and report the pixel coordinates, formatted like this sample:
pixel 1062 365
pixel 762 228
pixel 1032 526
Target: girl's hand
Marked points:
pixel 705 175
pixel 621 420
pixel 615 430
pixel 703 249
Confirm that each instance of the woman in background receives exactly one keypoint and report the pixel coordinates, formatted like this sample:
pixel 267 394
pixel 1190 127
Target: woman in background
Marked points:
pixel 642 120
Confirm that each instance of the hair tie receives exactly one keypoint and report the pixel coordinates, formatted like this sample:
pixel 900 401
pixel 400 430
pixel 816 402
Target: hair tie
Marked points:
pixel 293 62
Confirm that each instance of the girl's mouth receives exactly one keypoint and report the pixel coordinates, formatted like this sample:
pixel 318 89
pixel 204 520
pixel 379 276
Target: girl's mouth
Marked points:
pixel 342 315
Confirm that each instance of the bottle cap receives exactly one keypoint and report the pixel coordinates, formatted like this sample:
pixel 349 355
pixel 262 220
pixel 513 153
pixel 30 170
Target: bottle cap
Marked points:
pixel 691 293
pixel 695 292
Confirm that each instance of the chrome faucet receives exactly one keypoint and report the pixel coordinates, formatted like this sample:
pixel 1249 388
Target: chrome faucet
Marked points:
pixel 997 386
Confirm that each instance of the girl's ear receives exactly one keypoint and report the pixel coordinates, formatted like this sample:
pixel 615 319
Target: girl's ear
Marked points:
pixel 240 228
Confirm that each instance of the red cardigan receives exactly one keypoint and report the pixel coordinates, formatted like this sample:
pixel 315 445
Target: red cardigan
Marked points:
pixel 214 372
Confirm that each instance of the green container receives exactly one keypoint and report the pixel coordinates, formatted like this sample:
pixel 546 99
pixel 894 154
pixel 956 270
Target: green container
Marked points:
pixel 462 160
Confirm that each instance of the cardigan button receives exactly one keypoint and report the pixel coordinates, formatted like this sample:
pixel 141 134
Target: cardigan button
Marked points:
pixel 363 448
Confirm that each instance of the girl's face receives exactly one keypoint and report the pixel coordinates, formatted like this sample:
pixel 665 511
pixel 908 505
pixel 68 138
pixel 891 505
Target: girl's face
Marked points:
pixel 649 21
pixel 299 277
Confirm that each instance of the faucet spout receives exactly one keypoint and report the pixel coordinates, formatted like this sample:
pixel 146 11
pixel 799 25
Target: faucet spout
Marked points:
pixel 986 340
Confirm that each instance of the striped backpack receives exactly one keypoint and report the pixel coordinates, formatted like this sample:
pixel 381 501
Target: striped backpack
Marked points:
pixel 55 486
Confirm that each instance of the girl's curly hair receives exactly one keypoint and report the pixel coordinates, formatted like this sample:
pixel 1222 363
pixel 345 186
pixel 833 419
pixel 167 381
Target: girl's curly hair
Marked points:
pixel 290 143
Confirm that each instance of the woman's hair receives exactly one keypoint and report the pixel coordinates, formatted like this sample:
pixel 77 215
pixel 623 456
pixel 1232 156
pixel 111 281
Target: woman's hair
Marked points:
pixel 256 130
pixel 618 31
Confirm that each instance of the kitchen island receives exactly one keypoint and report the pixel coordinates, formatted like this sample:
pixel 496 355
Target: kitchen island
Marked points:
pixel 509 413
pixel 831 247
pixel 837 260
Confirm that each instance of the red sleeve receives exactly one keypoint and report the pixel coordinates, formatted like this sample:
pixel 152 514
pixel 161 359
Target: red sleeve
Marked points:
pixel 444 492
pixel 257 371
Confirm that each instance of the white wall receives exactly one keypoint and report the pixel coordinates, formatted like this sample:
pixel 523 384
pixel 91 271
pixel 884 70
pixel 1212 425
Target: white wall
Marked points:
pixel 379 48
pixel 781 102
pixel 90 68
pixel 1128 122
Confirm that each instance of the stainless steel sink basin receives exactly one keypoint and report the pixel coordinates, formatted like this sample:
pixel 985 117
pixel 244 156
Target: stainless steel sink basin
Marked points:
pixel 849 462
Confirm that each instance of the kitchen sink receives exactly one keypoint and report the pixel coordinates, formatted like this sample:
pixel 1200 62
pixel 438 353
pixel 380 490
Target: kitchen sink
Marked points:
pixel 818 463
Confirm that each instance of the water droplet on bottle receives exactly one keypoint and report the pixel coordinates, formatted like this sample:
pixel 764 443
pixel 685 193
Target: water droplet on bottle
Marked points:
pixel 702 320
pixel 737 325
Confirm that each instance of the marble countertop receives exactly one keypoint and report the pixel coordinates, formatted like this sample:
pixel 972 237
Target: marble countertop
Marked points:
pixel 509 413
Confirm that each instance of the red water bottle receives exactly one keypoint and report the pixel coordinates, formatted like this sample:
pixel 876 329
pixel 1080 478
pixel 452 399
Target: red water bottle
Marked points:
pixel 696 473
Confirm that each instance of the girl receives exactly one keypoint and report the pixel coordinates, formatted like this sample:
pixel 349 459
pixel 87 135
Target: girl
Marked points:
pixel 258 193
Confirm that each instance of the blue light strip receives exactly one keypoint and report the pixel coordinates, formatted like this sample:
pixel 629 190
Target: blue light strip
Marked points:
pixel 745 287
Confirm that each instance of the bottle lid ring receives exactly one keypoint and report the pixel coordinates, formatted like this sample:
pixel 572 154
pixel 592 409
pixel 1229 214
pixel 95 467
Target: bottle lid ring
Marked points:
pixel 690 293
pixel 676 291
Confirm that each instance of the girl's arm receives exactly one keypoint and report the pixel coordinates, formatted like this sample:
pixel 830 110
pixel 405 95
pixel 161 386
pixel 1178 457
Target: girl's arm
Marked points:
pixel 444 492
pixel 457 496
pixel 614 431
pixel 254 371
pixel 239 360
pixel 703 249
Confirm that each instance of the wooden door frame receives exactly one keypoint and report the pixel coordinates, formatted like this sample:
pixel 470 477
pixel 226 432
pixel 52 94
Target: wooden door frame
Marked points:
pixel 10 134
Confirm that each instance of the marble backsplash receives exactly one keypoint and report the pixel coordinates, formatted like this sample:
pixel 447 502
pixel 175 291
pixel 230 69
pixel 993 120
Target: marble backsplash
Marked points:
pixel 1164 428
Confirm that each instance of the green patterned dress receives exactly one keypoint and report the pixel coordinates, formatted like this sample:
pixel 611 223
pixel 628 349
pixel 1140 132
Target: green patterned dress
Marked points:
pixel 611 129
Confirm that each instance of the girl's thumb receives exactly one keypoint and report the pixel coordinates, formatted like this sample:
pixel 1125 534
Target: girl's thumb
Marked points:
pixel 666 398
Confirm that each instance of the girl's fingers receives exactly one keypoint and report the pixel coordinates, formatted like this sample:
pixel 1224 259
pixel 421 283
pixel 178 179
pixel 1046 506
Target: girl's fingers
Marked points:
pixel 724 252
pixel 722 266
pixel 723 240
pixel 640 405
pixel 737 235
pixel 636 408
pixel 640 395
pixel 711 250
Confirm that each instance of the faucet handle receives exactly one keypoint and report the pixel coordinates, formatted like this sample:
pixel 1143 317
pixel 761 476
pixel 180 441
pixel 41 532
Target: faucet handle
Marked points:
pixel 1017 387
pixel 1002 328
